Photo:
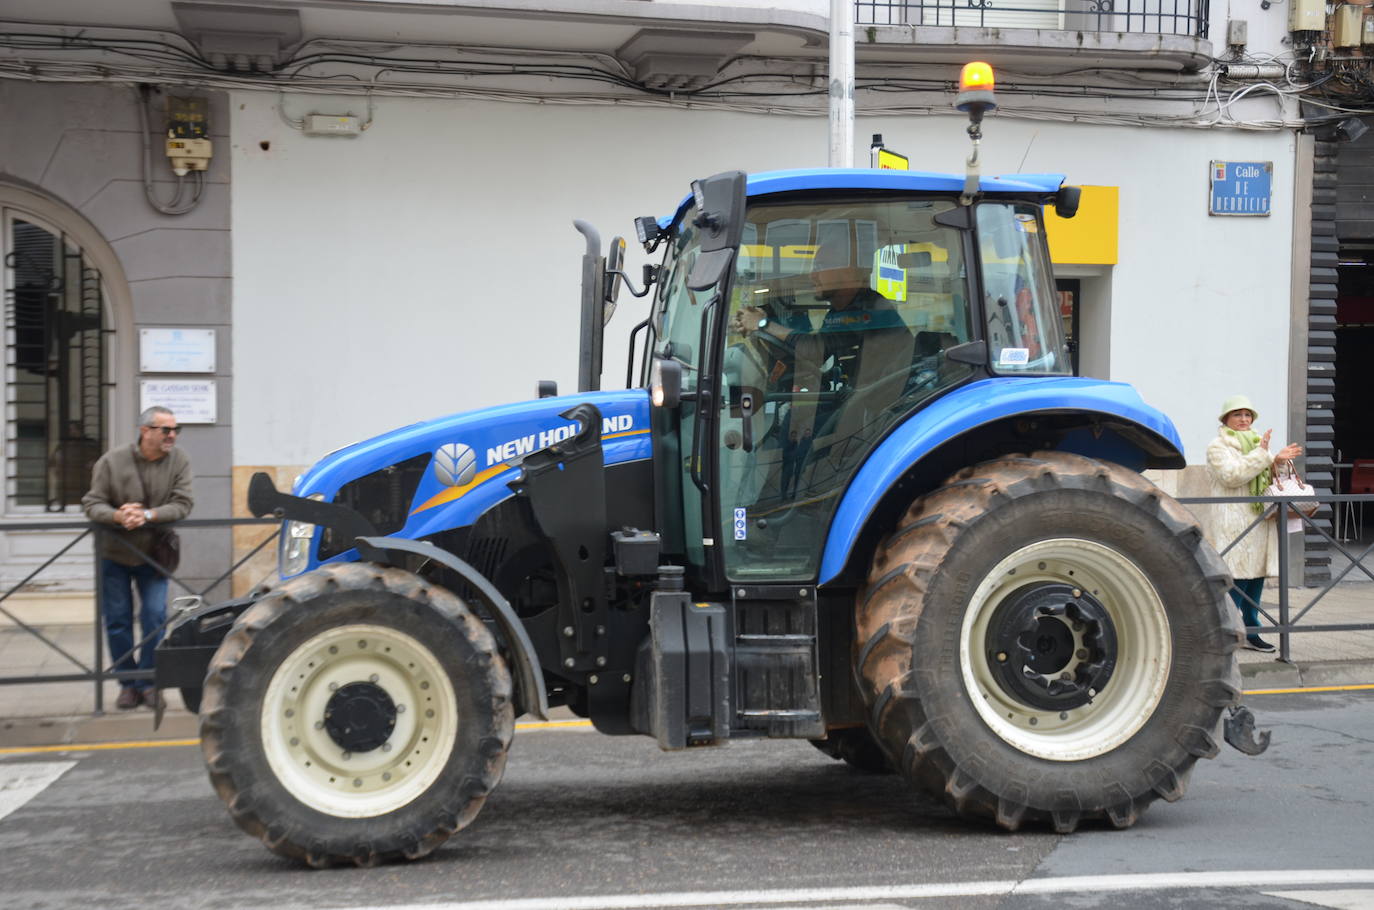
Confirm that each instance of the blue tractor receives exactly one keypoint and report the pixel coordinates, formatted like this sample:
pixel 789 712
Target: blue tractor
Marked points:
pixel 853 494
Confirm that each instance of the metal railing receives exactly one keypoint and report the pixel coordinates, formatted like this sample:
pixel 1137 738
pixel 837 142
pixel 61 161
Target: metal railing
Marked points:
pixel 96 672
pixel 1150 17
pixel 1287 623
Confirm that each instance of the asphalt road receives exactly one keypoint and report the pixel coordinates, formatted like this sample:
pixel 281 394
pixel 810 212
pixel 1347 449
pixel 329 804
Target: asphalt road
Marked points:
pixel 586 821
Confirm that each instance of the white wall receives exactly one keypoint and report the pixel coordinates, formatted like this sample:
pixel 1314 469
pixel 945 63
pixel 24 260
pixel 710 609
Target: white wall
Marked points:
pixel 430 265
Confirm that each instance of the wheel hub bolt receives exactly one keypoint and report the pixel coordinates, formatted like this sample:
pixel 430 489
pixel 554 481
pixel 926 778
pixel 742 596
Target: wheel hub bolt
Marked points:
pixel 1033 721
pixel 1063 715
pixel 386 775
pixel 1077 592
pixel 295 741
pixel 357 781
pixel 333 687
pixel 1081 654
pixel 1001 657
pixel 424 685
pixel 319 725
pixel 386 747
pixel 347 755
pixel 400 709
pixel 373 678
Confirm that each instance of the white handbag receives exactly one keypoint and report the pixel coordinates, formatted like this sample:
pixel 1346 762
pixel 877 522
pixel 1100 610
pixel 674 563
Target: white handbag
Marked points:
pixel 1287 483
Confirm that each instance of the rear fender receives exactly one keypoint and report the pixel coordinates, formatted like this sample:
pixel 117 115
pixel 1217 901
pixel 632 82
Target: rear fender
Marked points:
pixel 1105 420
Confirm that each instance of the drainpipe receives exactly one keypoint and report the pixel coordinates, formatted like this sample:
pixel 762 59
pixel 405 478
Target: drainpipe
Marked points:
pixel 841 83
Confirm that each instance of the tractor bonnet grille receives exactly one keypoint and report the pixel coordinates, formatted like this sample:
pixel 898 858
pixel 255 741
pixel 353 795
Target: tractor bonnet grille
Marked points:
pixel 382 497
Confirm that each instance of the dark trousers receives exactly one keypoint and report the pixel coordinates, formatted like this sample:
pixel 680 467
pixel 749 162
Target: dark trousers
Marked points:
pixel 117 603
pixel 1254 589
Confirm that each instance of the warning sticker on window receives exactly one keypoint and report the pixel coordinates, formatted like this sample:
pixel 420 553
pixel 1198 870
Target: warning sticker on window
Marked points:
pixel 1011 357
pixel 741 525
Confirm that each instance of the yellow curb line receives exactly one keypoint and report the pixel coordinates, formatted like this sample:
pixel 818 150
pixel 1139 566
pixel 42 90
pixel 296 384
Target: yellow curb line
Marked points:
pixel 154 743
pixel 1353 688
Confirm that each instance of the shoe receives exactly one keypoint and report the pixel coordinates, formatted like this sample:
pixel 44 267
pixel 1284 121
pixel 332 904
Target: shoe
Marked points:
pixel 128 699
pixel 1255 643
pixel 153 698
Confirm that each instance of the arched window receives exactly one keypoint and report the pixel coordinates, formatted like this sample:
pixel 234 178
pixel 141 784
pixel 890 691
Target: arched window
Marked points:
pixel 55 364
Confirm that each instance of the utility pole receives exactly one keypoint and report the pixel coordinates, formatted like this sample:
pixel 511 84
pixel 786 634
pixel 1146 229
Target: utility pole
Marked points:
pixel 841 79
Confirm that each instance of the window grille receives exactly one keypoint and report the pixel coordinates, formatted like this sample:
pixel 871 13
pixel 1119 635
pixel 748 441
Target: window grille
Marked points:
pixel 1150 17
pixel 55 352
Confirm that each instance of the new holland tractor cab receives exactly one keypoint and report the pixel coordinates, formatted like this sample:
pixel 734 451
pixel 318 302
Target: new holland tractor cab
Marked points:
pixel 856 497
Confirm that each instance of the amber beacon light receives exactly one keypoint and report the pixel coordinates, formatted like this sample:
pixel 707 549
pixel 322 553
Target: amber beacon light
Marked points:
pixel 976 90
pixel 975 98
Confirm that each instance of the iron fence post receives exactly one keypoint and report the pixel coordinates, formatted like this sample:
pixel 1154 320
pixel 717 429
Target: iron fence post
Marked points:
pixel 1282 532
pixel 99 623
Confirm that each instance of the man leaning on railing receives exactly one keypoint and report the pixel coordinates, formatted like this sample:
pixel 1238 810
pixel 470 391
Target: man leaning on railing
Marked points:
pixel 134 488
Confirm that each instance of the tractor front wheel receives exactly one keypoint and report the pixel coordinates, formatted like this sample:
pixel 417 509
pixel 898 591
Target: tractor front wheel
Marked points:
pixel 356 714
pixel 1047 639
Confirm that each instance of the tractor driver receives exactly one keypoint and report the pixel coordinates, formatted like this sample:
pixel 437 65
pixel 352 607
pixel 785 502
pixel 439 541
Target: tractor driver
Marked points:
pixel 859 326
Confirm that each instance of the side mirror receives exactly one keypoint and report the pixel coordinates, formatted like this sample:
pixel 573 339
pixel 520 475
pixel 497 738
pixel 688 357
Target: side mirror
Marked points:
pixel 665 383
pixel 720 218
pixel 1066 201
pixel 615 264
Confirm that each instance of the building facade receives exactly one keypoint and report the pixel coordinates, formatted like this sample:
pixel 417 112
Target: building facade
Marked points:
pixel 384 231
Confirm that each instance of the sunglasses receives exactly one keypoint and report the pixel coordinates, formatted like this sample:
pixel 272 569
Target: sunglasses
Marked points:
pixel 166 431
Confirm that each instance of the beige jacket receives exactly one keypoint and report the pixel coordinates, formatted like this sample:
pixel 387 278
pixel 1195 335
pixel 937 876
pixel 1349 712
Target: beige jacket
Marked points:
pixel 1229 473
pixel 119 477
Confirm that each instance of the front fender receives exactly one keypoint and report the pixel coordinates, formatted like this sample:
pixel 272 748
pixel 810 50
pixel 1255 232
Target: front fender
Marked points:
pixel 1150 439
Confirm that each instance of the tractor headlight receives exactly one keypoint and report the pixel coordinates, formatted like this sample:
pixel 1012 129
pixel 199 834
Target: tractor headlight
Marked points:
pixel 295 548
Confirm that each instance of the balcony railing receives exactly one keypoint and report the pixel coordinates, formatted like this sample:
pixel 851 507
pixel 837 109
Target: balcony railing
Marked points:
pixel 1149 17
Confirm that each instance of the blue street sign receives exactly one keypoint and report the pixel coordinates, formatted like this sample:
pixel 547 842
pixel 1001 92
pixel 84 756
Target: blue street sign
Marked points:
pixel 1241 187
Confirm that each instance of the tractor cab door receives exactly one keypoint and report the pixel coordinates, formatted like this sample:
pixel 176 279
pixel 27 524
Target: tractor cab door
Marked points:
pixel 835 328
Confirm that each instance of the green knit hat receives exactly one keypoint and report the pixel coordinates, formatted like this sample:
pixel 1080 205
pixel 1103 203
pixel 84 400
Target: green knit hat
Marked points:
pixel 1236 403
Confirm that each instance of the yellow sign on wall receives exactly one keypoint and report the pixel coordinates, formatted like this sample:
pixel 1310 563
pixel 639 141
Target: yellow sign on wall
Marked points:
pixel 1089 238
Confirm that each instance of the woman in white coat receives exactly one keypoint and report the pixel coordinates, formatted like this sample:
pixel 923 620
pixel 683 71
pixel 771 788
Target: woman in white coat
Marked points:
pixel 1239 463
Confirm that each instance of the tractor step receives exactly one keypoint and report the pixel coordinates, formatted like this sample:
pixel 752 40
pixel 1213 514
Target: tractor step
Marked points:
pixel 777 686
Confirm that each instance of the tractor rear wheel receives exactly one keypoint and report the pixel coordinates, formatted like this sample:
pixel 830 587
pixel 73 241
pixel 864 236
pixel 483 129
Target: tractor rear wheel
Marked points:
pixel 356 714
pixel 1047 639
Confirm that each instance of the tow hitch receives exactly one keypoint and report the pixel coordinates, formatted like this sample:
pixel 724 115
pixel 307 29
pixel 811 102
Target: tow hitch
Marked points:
pixel 1239 730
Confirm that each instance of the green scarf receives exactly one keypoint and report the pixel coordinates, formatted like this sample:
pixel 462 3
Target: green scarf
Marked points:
pixel 1248 439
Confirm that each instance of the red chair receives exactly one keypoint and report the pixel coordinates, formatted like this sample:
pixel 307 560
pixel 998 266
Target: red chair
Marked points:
pixel 1361 481
pixel 1362 476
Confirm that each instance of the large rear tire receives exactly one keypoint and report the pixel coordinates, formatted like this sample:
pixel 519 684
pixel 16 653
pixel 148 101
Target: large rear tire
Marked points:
pixel 356 715
pixel 1047 639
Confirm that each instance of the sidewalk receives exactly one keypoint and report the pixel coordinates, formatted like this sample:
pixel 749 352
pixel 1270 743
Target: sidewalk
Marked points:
pixel 42 714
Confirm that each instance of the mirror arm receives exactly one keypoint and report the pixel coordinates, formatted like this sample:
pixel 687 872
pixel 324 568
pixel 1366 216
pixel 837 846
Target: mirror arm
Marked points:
pixel 629 285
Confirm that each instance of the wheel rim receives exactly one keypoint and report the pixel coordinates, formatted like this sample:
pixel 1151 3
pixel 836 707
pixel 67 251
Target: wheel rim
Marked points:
pixel 358 721
pixel 1065 647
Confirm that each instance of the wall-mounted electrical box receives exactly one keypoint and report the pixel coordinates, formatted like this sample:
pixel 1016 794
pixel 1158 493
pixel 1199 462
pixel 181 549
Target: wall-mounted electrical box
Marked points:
pixel 1237 33
pixel 1306 15
pixel 332 125
pixel 188 125
pixel 1347 26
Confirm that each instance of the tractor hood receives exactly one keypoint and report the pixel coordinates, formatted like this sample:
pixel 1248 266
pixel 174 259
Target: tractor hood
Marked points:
pixel 468 459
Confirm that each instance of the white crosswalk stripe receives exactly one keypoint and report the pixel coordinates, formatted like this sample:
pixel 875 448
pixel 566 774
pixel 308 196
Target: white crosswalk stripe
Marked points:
pixel 22 781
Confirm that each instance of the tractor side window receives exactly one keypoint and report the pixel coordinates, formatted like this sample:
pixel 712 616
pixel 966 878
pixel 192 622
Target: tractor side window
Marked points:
pixel 677 324
pixel 836 330
pixel 1024 331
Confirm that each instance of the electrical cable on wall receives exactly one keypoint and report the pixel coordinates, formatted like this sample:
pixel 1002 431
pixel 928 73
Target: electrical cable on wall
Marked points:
pixel 775 85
